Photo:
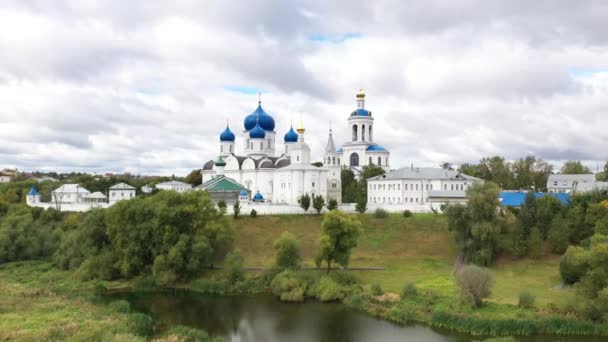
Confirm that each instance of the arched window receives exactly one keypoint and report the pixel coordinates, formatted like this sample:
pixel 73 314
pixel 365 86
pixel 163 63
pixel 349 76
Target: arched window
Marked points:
pixel 371 138
pixel 370 161
pixel 354 159
pixel 221 148
pixel 334 160
pixel 379 161
pixel 252 145
pixel 230 148
pixel 354 132
pixel 261 145
pixel 362 132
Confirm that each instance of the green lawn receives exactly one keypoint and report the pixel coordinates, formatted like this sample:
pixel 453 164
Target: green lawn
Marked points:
pixel 418 249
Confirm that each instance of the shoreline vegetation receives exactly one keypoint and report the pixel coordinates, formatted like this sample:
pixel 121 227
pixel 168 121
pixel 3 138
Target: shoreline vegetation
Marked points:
pixel 54 266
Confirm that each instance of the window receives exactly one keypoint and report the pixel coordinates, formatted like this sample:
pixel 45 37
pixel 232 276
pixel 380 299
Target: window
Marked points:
pixel 355 132
pixel 252 145
pixel 362 132
pixel 452 187
pixel 334 158
pixel 416 199
pixel 354 159
pixel 445 186
pixel 398 186
pixel 379 161
pixel 313 184
pixel 297 158
pixel 370 161
pixel 221 148
pixel 261 145
pixel 405 187
pixel 230 148
pixel 555 183
pixel 416 187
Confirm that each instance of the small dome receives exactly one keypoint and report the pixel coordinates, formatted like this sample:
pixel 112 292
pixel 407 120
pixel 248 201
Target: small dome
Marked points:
pixel 376 148
pixel 243 193
pixel 33 192
pixel 257 133
pixel 291 136
pixel 220 162
pixel 258 197
pixel 361 112
pixel 260 117
pixel 227 135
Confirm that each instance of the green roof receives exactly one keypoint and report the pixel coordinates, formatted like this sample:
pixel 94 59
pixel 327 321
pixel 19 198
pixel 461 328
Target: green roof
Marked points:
pixel 221 183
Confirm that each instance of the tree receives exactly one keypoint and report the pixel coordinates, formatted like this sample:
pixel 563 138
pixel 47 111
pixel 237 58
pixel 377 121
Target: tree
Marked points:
pixel 361 206
pixel 535 243
pixel 447 166
pixel 332 204
pixel 475 284
pixel 317 164
pixel 574 167
pixel 603 176
pixel 287 254
pixel 304 201
pixel 477 226
pixel 234 267
pixel 194 177
pixel 318 202
pixel 236 209
pixel 339 235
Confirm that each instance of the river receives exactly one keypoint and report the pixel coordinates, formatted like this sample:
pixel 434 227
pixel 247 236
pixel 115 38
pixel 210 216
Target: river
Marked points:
pixel 264 318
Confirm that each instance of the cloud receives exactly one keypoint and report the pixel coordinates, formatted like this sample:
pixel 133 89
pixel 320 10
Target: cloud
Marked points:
pixel 147 87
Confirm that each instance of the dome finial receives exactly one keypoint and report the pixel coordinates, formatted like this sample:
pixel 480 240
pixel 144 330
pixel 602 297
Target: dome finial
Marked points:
pixel 361 94
pixel 259 98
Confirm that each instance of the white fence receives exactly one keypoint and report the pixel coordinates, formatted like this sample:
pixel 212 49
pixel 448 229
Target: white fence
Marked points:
pixel 288 209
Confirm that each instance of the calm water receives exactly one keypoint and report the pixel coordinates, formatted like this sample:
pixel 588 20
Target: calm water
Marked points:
pixel 263 318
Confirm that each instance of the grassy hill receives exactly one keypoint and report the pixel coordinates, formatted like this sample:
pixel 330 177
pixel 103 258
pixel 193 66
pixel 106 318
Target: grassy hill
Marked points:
pixel 417 249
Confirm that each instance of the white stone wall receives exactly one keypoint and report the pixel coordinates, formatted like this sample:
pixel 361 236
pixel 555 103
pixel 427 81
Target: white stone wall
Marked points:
pixel 117 195
pixel 292 209
pixel 77 207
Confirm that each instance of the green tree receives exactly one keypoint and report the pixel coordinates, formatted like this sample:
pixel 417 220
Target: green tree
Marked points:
pixel 535 243
pixel 475 284
pixel 236 209
pixel 318 202
pixel 361 206
pixel 339 235
pixel 332 204
pixel 547 208
pixel 317 164
pixel 304 202
pixel 574 167
pixel 287 254
pixel 234 267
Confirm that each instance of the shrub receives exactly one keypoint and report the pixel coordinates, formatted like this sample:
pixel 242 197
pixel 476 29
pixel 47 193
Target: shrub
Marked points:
pixel 409 290
pixel 407 213
pixel 377 290
pixel 526 300
pixel 234 267
pixel 328 290
pixel 601 226
pixel 332 204
pixel 304 202
pixel 140 324
pixel 121 306
pixel 380 213
pixel 221 204
pixel 361 206
pixel 288 287
pixel 401 314
pixel 318 202
pixel 287 254
pixel 345 278
pixel 236 209
pixel 187 334
pixel 355 301
pixel 573 265
pixel 535 242
pixel 559 235
pixel 475 284
pixel 253 213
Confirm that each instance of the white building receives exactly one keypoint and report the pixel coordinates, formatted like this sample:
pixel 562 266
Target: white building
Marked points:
pixel 418 186
pixel 121 191
pixel 560 183
pixel 272 177
pixel 174 185
pixel 361 150
pixel 69 193
pixel 4 178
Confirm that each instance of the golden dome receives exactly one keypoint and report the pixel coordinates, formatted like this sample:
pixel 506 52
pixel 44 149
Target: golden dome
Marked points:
pixel 300 128
pixel 361 94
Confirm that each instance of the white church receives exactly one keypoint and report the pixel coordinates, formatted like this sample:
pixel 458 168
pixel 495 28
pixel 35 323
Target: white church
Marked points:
pixel 282 177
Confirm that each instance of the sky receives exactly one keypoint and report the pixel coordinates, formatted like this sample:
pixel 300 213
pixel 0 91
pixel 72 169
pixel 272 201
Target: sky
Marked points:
pixel 147 86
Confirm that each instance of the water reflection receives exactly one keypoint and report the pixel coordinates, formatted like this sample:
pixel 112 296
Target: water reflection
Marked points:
pixel 264 318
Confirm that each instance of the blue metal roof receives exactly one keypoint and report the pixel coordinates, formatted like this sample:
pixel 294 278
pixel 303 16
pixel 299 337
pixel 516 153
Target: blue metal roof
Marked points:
pixel 33 192
pixel 375 148
pixel 227 135
pixel 259 116
pixel 517 199
pixel 257 133
pixel 361 112
pixel 340 150
pixel 291 136
pixel 258 197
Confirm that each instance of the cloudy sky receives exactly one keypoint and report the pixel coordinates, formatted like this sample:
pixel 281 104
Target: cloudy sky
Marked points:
pixel 138 86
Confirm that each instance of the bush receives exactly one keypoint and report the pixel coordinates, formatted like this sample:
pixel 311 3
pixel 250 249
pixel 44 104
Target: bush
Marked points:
pixel 573 265
pixel 253 213
pixel 288 287
pixel 327 290
pixel 407 213
pixel 535 243
pixel 234 267
pixel 526 300
pixel 236 209
pixel 140 324
pixel 380 213
pixel 377 290
pixel 361 206
pixel 221 204
pixel 409 290
pixel 559 235
pixel 475 284
pixel 121 306
pixel 401 314
pixel 332 204
pixel 187 334
pixel 287 254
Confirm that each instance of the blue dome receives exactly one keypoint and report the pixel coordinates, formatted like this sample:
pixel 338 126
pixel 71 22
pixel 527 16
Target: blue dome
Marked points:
pixel 227 135
pixel 257 133
pixel 259 116
pixel 258 197
pixel 376 148
pixel 291 136
pixel 243 193
pixel 33 192
pixel 361 112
